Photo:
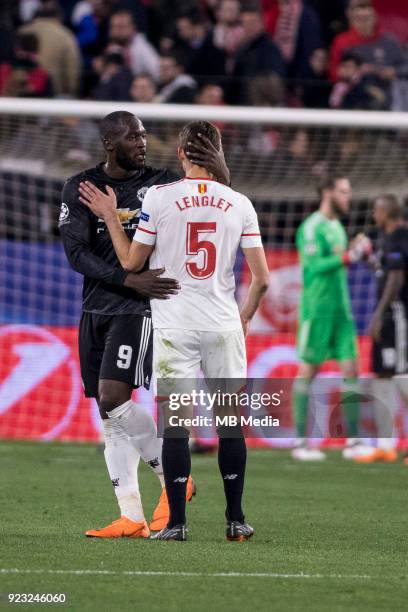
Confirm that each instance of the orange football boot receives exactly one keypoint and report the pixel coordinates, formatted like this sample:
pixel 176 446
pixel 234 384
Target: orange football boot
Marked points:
pixel 161 513
pixel 121 528
pixel 378 454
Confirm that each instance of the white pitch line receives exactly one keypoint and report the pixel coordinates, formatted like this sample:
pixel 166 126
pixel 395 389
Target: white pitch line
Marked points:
pixel 91 572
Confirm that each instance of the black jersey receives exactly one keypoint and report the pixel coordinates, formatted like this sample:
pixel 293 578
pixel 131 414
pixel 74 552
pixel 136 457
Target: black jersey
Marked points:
pixel 393 255
pixel 88 245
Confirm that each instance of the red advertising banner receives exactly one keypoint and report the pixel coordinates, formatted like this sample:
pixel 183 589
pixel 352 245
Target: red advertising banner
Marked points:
pixel 278 310
pixel 41 395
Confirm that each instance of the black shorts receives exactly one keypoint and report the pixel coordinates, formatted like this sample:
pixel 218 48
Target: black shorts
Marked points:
pixel 389 356
pixel 116 347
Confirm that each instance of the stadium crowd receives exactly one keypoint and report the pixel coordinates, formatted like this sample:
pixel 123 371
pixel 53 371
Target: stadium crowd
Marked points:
pixel 343 54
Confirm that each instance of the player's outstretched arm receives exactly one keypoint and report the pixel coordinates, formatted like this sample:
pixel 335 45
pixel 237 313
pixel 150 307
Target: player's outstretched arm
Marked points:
pixel 76 236
pixel 132 255
pixel 260 281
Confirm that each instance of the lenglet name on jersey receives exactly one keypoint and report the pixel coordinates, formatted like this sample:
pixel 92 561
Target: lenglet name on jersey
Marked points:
pixel 199 201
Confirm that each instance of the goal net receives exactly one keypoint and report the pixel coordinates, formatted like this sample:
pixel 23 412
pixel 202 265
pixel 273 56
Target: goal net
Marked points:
pixel 275 156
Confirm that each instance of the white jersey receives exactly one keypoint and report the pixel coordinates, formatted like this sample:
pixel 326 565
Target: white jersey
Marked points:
pixel 196 226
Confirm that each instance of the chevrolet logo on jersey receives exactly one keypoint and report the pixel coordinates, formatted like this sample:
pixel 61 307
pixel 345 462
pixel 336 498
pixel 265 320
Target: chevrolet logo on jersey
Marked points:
pixel 125 217
pixel 125 214
pixel 202 188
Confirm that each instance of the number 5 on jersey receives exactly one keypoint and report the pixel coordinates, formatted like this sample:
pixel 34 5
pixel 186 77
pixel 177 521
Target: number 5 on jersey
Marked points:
pixel 194 246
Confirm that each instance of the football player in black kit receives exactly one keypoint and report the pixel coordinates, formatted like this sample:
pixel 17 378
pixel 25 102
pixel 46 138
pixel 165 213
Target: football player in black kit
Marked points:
pixel 389 324
pixel 115 333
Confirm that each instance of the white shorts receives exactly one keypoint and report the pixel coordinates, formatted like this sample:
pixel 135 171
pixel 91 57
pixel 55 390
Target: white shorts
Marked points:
pixel 179 353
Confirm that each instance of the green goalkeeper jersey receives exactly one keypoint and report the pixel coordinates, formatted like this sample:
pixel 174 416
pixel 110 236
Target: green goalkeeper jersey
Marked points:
pixel 321 243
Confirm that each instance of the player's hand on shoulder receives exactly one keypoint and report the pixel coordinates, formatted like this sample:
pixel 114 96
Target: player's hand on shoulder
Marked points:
pixel 100 203
pixel 150 284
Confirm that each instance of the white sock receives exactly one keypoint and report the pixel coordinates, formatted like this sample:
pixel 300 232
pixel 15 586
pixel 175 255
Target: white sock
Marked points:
pixel 386 403
pixel 141 429
pixel 122 461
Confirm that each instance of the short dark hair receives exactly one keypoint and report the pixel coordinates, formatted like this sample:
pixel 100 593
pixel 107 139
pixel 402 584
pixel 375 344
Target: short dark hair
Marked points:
pixel 112 125
pixel 194 16
pixel 328 182
pixel 123 11
pixel 350 56
pixel 393 206
pixel 175 55
pixel 359 3
pixel 143 75
pixel 191 130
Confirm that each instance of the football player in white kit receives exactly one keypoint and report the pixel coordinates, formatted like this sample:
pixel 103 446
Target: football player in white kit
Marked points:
pixel 193 228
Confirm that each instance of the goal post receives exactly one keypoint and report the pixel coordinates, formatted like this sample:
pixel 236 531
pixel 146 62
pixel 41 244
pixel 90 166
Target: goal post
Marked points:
pixel 276 157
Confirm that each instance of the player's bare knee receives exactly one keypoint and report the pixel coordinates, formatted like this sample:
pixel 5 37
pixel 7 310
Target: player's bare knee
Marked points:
pixel 112 394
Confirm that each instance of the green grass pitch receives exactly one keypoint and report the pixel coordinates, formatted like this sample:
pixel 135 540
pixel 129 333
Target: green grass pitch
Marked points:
pixel 329 537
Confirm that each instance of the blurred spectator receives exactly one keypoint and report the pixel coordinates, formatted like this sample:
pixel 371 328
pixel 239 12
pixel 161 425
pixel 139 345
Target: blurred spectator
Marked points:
pixel 379 51
pixel 294 157
pixel 143 89
pixel 315 89
pixel 296 30
pixel 138 8
pixel 211 95
pixel 58 49
pixel 216 55
pixel 24 76
pixel 140 55
pixel 90 22
pixel 266 91
pixel 177 87
pixel 115 78
pixel 356 90
pixel 332 16
pixel 191 30
pixel 162 14
pixel 257 56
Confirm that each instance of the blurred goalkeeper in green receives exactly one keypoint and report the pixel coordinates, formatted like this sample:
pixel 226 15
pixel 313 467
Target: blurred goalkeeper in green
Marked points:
pixel 326 327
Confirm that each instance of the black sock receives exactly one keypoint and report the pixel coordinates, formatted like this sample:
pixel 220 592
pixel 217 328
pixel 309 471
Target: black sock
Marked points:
pixel 176 468
pixel 232 461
